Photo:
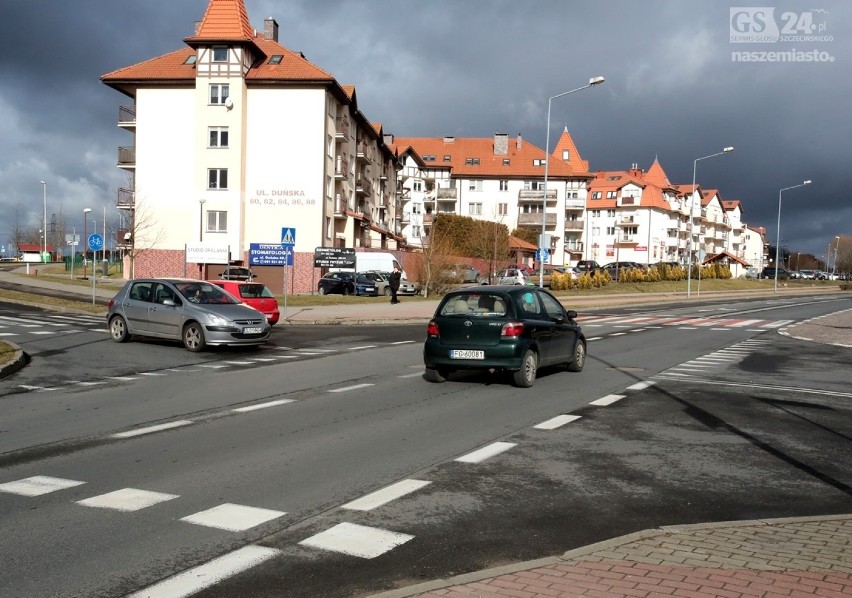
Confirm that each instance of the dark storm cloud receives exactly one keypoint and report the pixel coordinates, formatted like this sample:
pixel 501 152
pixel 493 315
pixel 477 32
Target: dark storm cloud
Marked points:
pixel 468 68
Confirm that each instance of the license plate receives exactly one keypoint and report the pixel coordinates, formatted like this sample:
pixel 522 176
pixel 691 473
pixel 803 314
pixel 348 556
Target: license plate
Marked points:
pixel 465 354
pixel 253 330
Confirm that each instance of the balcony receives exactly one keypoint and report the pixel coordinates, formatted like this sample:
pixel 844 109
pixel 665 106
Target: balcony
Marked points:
pixel 341 168
pixel 535 219
pixel 127 117
pixel 340 207
pixel 627 239
pixel 363 187
pixel 365 152
pixel 126 199
pixel 574 225
pixel 574 247
pixel 127 158
pixel 536 195
pixel 573 203
pixel 341 132
pixel 448 193
pixel 625 221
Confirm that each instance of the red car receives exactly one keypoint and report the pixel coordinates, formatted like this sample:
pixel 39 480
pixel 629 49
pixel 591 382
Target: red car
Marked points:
pixel 253 294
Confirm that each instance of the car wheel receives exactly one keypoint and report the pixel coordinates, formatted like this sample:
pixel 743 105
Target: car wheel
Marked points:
pixel 436 375
pixel 525 376
pixel 387 292
pixel 346 291
pixel 576 364
pixel 118 330
pixel 322 291
pixel 193 337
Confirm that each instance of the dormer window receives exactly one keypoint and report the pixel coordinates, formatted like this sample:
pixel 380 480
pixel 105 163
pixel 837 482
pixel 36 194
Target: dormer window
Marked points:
pixel 220 53
pixel 275 59
pixel 190 59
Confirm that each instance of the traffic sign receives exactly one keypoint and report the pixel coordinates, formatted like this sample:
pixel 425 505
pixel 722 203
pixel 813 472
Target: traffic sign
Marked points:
pixel 542 254
pixel 269 254
pixel 288 237
pixel 96 242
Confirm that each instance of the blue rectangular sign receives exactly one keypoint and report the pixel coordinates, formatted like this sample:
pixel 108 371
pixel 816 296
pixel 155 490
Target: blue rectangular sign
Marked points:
pixel 288 236
pixel 270 254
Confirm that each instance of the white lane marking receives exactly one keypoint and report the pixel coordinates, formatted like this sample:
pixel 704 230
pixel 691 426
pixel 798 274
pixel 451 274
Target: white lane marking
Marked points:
pixel 777 324
pixel 353 387
pixel 362 347
pixel 152 373
pixel 28 387
pixel 90 383
pixel 555 422
pixel 127 499
pixel 594 338
pixel 315 350
pixel 607 400
pixel 264 359
pixel 240 362
pixel 721 329
pixel 486 452
pixel 385 495
pixel 196 579
pixel 233 518
pixel 287 356
pixel 123 378
pixel 42 332
pixel 38 485
pixel 414 375
pixel 9 334
pixel 641 385
pixel 152 429
pixel 303 353
pixel 357 540
pixel 686 328
pixel 263 405
pixel 743 323
pixel 618 334
pixel 402 342
pixel 213 366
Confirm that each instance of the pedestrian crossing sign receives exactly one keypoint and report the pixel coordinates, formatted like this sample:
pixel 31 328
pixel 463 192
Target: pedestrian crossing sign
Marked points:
pixel 288 237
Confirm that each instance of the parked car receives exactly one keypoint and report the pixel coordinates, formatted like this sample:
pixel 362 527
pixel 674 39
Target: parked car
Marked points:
pixel 195 312
pixel 255 294
pixel 347 283
pixel 535 275
pixel 752 273
pixel 462 273
pixel 511 328
pixel 406 287
pixel 615 268
pixel 588 266
pixel 236 273
pixel 769 273
pixel 518 275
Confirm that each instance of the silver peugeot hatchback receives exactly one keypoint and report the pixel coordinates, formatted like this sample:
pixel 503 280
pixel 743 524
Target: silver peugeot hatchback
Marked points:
pixel 195 312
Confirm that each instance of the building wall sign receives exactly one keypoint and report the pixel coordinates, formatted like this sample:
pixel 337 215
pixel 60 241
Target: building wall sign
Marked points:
pixel 334 257
pixel 207 253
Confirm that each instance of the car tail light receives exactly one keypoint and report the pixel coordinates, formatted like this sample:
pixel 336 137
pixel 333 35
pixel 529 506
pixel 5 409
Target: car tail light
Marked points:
pixel 432 329
pixel 111 303
pixel 512 329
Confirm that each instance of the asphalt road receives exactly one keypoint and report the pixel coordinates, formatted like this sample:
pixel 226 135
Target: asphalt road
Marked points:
pixel 674 420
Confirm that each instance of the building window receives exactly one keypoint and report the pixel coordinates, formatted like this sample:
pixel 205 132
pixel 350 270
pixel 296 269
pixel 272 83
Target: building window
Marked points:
pixel 475 209
pixel 596 213
pixel 417 185
pixel 471 161
pixel 610 230
pixel 596 194
pixel 504 185
pixel 566 155
pixel 506 161
pixel 191 59
pixel 447 158
pixel 218 93
pixel 218 136
pixel 275 59
pixel 220 53
pixel 611 194
pixel 217 222
pixel 502 209
pixel 610 213
pixel 416 208
pixel 474 185
pixel 415 232
pixel 217 178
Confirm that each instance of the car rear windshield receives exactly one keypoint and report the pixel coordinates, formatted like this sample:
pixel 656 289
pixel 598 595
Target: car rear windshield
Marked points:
pixel 254 291
pixel 474 304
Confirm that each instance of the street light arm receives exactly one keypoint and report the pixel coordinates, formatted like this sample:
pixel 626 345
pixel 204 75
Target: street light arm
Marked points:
pixel 778 228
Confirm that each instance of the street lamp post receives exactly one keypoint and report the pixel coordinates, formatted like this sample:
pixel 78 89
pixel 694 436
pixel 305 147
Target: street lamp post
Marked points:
pixel 592 82
pixel 692 217
pixel 201 232
pixel 44 189
pixel 778 238
pixel 85 239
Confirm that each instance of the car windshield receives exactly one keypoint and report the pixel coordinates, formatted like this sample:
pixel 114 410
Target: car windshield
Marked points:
pixel 204 293
pixel 474 304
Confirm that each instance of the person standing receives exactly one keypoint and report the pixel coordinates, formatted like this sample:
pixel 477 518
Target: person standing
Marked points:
pixel 393 283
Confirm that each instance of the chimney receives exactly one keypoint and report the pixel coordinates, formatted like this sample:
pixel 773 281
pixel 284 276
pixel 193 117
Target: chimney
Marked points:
pixel 270 29
pixel 501 144
pixel 197 27
pixel 388 138
pixel 519 143
pixel 599 174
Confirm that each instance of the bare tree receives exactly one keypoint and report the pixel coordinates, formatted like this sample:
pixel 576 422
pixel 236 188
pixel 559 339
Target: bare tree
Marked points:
pixel 143 232
pixel 436 246
pixel 491 242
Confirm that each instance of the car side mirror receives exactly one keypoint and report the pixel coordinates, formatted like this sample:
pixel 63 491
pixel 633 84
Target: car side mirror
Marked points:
pixel 169 302
pixel 571 314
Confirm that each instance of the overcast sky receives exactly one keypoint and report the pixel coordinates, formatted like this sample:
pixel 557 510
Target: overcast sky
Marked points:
pixel 471 68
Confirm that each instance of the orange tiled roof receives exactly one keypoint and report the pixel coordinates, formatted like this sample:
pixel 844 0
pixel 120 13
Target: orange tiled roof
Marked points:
pixel 521 160
pixel 732 204
pixel 516 243
pixel 225 20
pixel 615 180
pixel 657 176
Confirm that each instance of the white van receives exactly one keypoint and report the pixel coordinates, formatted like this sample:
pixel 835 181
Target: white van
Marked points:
pixel 377 261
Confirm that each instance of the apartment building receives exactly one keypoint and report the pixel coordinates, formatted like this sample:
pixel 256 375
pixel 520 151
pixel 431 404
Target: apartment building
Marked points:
pixel 499 178
pixel 234 138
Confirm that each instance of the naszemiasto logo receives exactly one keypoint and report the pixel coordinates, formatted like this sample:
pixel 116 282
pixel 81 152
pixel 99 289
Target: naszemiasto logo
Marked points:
pixel 760 25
